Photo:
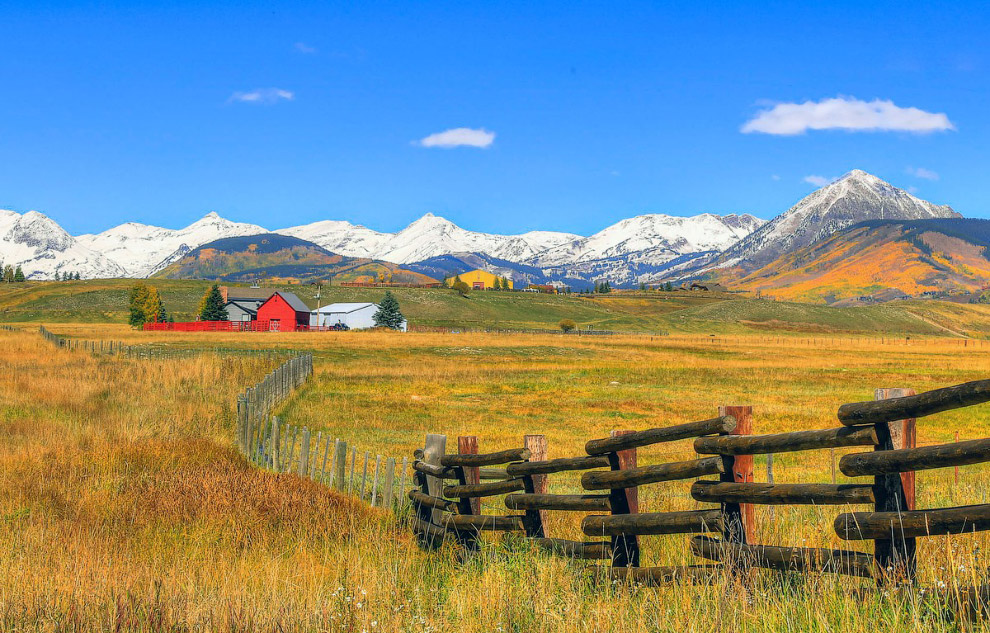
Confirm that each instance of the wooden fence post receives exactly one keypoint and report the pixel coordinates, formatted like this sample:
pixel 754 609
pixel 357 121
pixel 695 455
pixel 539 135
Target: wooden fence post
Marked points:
pixel 897 556
pixel 433 450
pixel 374 482
pixel 350 485
pixel 903 434
pixel 625 547
pixel 304 454
pixel 468 445
pixel 389 483
pixel 314 466
pixel 340 460
pixel 740 520
pixel 535 520
pixel 402 481
pixel 364 474
pixel 276 444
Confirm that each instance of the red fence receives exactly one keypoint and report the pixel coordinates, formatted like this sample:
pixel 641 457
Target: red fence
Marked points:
pixel 210 326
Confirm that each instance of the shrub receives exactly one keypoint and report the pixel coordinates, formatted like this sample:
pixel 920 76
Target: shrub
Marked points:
pixel 462 288
pixel 566 325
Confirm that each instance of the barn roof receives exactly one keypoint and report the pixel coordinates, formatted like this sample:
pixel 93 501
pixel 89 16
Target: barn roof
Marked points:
pixel 344 307
pixel 294 302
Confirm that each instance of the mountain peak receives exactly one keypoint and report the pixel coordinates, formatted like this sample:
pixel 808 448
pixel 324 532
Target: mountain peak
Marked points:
pixel 853 198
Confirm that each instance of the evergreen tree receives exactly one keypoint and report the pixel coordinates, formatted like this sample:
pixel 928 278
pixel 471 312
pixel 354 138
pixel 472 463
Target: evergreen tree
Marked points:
pixel 669 287
pixel 388 314
pixel 497 285
pixel 505 284
pixel 642 286
pixel 212 305
pixel 18 274
pixel 77 276
pixel 58 276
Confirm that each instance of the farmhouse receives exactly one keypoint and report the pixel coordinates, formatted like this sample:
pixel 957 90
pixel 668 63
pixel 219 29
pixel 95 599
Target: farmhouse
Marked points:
pixel 479 280
pixel 284 312
pixel 356 316
pixel 242 304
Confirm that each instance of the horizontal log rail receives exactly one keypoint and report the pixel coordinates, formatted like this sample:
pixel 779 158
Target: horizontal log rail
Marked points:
pixel 656 576
pixel 927 403
pixel 785 558
pixel 433 470
pixel 786 442
pixel 485 459
pixel 577 503
pixel 684 522
pixel 486 522
pixel 430 530
pixel 722 424
pixel 484 490
pixel 910 459
pixel 560 465
pixel 912 523
pixel 493 473
pixel 781 494
pixel 425 500
pixel 612 479
pixel 587 550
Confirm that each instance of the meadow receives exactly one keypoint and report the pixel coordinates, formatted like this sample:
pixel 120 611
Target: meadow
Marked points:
pixel 105 302
pixel 125 505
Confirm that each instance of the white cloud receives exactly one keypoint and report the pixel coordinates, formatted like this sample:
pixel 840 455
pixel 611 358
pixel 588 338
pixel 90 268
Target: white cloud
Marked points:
pixel 845 113
pixel 306 49
pixel 263 95
pixel 921 172
pixel 459 137
pixel 774 177
pixel 818 181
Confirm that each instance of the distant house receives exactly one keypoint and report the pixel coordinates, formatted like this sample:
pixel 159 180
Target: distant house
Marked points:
pixel 479 279
pixel 356 316
pixel 284 312
pixel 242 304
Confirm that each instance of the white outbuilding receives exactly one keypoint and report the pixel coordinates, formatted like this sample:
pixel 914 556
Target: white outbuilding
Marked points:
pixel 356 316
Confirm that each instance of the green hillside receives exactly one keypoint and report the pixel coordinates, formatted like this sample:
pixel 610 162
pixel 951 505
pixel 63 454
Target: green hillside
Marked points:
pixel 105 301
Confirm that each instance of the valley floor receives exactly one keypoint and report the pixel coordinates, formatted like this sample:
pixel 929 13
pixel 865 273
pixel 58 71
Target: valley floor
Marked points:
pixel 125 505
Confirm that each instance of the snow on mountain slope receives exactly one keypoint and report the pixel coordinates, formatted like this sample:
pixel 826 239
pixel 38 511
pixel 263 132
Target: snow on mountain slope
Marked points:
pixel 653 239
pixel 42 248
pixel 855 197
pixel 140 249
pixel 343 238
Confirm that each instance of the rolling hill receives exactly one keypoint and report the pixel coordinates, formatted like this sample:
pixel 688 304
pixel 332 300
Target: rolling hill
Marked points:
pixel 882 259
pixel 270 256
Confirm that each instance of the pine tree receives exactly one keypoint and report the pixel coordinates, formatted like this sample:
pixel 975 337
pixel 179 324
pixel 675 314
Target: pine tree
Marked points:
pixel 212 305
pixel 388 314
pixel 498 284
pixel 505 284
pixel 58 276
pixel 669 287
pixel 18 275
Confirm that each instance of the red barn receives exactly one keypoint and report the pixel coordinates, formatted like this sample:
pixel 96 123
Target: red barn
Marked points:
pixel 285 312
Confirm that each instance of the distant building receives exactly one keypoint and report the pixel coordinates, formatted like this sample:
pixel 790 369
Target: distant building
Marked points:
pixel 284 312
pixel 356 316
pixel 242 304
pixel 479 279
pixel 548 289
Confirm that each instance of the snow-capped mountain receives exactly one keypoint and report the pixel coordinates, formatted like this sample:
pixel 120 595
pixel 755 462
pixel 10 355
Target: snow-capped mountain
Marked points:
pixel 653 238
pixel 343 238
pixel 855 197
pixel 42 248
pixel 432 235
pixel 141 249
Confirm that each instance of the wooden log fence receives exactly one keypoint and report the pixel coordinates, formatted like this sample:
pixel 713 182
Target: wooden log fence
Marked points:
pixel 725 534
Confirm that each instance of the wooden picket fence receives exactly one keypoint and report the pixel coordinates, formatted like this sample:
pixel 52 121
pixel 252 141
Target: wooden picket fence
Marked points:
pixel 118 348
pixel 270 443
pixel 448 488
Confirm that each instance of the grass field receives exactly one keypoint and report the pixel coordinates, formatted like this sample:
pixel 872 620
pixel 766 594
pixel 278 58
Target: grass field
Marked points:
pixel 105 301
pixel 125 506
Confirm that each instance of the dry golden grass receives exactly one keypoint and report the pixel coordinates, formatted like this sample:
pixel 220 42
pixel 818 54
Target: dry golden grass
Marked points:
pixel 124 506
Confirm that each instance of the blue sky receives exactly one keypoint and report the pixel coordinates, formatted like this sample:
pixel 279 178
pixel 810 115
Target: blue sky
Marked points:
pixel 287 113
